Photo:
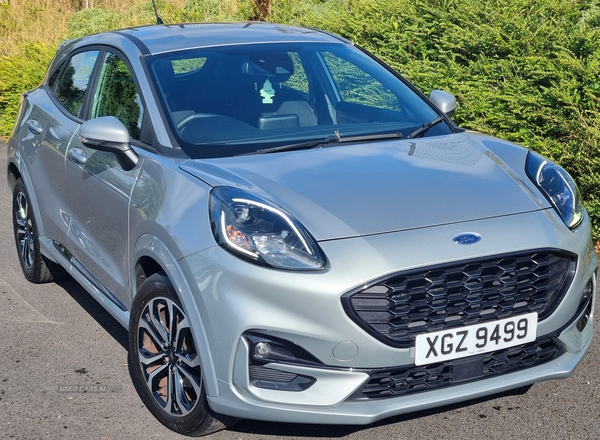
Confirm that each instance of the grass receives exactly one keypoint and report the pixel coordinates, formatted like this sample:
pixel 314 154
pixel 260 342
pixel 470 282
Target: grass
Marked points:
pixel 45 21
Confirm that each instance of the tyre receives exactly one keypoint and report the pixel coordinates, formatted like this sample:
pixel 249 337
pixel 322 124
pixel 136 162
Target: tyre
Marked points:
pixel 36 267
pixel 166 363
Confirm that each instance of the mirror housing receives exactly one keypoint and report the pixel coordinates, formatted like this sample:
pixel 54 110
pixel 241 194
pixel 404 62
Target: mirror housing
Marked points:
pixel 444 101
pixel 109 134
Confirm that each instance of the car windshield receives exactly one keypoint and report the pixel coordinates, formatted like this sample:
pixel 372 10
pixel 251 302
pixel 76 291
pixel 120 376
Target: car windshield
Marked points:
pixel 230 100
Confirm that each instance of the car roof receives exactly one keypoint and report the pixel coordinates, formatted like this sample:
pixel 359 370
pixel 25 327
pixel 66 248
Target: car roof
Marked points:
pixel 173 37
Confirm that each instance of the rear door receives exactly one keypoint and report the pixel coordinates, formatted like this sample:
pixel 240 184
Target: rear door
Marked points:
pixel 52 115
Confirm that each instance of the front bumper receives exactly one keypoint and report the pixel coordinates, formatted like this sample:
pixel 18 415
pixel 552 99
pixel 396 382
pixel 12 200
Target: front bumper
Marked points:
pixel 235 297
pixel 232 401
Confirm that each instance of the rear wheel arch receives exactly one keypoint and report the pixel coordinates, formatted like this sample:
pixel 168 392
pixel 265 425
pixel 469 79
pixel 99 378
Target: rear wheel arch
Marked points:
pixel 16 173
pixel 13 176
pixel 36 267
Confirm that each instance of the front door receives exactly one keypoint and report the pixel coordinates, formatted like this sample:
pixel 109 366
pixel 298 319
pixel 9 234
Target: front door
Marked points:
pixel 100 189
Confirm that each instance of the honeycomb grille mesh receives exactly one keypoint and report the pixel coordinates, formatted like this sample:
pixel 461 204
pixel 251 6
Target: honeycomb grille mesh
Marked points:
pixel 399 308
pixel 409 379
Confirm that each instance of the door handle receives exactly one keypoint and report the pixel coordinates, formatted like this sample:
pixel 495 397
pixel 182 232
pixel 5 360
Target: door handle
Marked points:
pixel 77 156
pixel 34 127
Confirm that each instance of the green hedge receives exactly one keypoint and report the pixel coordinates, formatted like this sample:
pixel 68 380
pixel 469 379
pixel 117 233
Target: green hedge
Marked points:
pixel 523 70
pixel 17 75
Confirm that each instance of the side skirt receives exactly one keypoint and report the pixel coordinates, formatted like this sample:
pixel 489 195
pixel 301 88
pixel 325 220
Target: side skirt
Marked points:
pixel 59 253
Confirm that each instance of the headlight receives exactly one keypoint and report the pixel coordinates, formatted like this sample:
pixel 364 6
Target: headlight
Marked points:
pixel 261 232
pixel 558 187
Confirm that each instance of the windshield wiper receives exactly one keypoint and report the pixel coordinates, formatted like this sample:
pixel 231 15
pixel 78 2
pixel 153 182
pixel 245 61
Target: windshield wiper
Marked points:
pixel 426 126
pixel 298 146
pixel 332 139
pixel 370 137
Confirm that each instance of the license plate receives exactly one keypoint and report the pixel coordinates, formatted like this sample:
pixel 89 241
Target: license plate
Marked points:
pixel 475 339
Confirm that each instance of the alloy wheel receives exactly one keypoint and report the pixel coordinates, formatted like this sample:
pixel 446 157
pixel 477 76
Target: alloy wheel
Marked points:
pixel 24 230
pixel 168 357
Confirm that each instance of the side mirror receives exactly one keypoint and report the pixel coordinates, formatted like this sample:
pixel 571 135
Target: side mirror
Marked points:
pixel 109 134
pixel 444 101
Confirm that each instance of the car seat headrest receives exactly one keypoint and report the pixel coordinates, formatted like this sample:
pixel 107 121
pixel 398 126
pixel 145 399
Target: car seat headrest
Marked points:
pixel 278 67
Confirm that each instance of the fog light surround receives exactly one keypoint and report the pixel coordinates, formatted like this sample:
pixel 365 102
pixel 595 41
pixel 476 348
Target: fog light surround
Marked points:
pixel 265 350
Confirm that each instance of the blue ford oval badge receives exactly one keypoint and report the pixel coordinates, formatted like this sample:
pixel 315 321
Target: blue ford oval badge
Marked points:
pixel 467 238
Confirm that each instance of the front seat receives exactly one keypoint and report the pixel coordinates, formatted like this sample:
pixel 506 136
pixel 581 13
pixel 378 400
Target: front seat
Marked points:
pixel 271 104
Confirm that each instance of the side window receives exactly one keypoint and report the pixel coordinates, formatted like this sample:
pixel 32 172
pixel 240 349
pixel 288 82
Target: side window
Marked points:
pixel 52 79
pixel 357 86
pixel 298 80
pixel 117 95
pixel 73 82
pixel 187 65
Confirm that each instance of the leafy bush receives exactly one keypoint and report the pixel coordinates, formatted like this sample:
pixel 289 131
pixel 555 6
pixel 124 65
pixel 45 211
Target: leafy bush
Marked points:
pixel 91 21
pixel 209 10
pixel 17 75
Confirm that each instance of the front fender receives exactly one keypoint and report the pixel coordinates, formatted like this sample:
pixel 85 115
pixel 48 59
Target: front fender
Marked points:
pixel 152 247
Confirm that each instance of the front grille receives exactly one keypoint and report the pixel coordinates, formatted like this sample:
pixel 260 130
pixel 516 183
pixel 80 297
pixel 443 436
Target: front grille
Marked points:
pixel 407 379
pixel 397 309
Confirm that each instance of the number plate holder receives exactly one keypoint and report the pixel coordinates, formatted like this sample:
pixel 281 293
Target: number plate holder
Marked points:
pixel 475 339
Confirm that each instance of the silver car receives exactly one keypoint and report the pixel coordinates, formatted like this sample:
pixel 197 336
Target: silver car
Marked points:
pixel 291 231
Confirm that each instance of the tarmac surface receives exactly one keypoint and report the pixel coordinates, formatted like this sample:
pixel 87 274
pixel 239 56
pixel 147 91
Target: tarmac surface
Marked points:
pixel 64 375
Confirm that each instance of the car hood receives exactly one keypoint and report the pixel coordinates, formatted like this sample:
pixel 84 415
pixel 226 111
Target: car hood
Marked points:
pixel 378 187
